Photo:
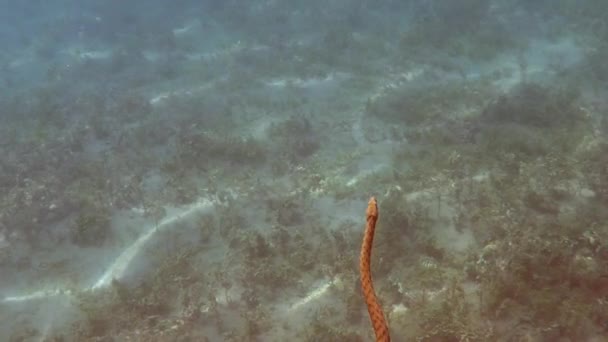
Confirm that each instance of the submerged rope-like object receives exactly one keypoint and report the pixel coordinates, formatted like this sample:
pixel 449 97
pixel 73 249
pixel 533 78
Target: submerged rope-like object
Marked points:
pixel 373 307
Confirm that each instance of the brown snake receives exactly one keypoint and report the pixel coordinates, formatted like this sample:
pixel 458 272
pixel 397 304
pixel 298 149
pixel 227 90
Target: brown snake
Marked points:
pixel 373 307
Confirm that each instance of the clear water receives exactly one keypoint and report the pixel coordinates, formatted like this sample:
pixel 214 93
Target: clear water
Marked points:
pixel 199 170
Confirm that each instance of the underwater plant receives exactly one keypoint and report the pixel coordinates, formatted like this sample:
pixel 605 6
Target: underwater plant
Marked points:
pixel 92 227
pixel 298 139
pixel 535 105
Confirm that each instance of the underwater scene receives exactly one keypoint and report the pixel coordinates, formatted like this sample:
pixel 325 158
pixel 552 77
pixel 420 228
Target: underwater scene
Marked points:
pixel 202 170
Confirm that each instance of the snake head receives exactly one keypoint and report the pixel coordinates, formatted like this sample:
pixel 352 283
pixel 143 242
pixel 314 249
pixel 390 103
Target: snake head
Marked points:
pixel 372 208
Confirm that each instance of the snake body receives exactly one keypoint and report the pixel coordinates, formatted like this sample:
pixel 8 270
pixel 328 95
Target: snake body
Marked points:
pixel 373 307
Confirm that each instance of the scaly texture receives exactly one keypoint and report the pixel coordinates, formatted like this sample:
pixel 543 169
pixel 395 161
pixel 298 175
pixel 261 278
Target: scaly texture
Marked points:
pixel 373 307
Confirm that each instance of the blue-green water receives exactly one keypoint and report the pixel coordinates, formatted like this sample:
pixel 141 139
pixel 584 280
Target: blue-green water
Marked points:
pixel 199 170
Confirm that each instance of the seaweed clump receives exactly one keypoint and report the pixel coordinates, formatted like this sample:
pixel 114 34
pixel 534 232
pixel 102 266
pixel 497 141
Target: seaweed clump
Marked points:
pixel 196 148
pixel 535 105
pixel 151 309
pixel 92 227
pixel 423 104
pixel 297 137
pixel 549 279
pixel 532 121
pixel 452 317
pixel 465 28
